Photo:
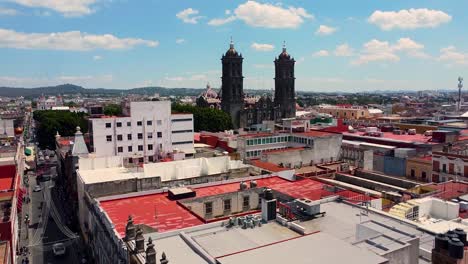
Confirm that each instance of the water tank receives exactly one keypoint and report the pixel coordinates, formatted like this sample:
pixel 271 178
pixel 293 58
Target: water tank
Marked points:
pixel 253 184
pixel 461 235
pixel 456 248
pixel 268 194
pixel 441 242
pixel 242 186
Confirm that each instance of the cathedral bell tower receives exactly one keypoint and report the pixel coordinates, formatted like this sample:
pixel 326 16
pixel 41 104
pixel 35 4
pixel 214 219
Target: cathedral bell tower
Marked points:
pixel 232 84
pixel 285 101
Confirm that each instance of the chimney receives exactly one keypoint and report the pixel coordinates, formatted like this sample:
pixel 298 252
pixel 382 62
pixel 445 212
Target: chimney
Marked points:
pixel 163 259
pixel 130 229
pixel 150 252
pixel 139 241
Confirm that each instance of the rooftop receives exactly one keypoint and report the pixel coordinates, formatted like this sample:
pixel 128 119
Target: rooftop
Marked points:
pixel 7 175
pixel 268 166
pixel 314 133
pixel 418 138
pixel 157 211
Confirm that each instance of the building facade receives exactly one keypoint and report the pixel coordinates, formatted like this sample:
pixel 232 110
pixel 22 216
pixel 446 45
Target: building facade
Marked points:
pixel 245 110
pixel 344 112
pixel 47 103
pixel 449 166
pixel 419 168
pixel 150 133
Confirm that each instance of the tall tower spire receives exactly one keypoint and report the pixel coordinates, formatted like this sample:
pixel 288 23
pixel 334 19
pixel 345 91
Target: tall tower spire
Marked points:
pixel 232 84
pixel 285 101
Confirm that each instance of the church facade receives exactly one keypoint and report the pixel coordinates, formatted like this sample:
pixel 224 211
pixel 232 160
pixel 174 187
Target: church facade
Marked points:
pixel 246 110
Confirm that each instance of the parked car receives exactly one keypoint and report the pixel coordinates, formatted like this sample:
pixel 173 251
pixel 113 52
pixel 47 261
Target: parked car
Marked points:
pixel 59 249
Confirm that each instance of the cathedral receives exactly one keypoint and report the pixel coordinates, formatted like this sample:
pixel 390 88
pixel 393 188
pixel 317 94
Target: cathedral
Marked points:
pixel 249 110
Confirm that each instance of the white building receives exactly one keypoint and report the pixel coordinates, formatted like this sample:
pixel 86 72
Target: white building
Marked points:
pixel 7 127
pixel 148 134
pixel 312 147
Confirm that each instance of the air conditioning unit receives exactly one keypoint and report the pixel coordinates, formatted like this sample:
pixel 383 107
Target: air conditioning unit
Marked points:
pixel 307 206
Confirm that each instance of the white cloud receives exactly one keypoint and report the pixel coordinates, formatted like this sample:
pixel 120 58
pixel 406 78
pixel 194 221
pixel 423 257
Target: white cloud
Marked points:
pixel 271 16
pixel 321 53
pixel 452 55
pixel 189 16
pixel 409 19
pixel 8 12
pixel 376 50
pixel 97 57
pixel 227 12
pixel 262 47
pixel 65 7
pixel 84 80
pixel 324 30
pixel 70 40
pixel 180 41
pixel 221 21
pixel 343 50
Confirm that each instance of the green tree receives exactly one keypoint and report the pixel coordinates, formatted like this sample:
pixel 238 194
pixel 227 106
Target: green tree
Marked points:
pixel 205 119
pixel 65 122
pixel 113 110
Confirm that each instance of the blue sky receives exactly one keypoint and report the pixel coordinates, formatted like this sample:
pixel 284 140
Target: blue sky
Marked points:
pixel 339 45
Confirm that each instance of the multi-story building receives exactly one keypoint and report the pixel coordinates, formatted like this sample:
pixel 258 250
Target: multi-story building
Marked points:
pixel 419 168
pixel 448 166
pixel 320 146
pixel 149 133
pixel 7 127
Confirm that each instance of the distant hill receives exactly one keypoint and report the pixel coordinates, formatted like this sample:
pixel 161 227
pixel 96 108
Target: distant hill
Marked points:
pixel 67 89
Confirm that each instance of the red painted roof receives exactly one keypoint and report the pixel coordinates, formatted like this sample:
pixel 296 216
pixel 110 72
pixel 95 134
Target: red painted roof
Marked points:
pixel 418 138
pixel 314 133
pixel 7 174
pixel 157 211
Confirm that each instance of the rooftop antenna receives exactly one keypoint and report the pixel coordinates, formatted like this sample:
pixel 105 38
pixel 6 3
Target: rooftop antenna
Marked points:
pixel 460 86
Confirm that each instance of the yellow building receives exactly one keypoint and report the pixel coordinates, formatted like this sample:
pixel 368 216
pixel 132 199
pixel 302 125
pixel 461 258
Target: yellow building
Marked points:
pixel 419 168
pixel 345 112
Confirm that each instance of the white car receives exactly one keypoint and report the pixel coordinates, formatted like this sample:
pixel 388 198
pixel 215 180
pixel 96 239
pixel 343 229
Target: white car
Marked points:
pixel 58 249
pixel 37 188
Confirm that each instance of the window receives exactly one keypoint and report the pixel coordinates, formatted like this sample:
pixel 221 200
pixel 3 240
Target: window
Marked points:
pixel 150 158
pixel 158 122
pixel 139 123
pixel 208 208
pixel 140 135
pixel 130 148
pixel 119 137
pixel 141 160
pixel 182 131
pixel 444 167
pixel 159 134
pixel 109 138
pixel 150 135
pixel 227 205
pixel 130 160
pixel 182 120
pixel 120 149
pixel 160 146
pixel 149 123
pixel 129 123
pixel 129 136
pixel 108 125
pixel 246 202
pixel 181 142
pixel 412 173
pixel 423 175
pixel 140 147
pixel 150 147
pixel 119 124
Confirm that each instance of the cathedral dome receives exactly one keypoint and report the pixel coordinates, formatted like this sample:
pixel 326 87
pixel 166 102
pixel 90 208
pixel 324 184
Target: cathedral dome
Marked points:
pixel 231 52
pixel 284 54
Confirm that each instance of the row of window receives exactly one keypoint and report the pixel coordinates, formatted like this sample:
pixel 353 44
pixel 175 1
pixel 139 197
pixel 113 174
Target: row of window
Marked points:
pixel 149 147
pixel 256 153
pixel 227 205
pixel 268 140
pixel 139 123
pixel 129 136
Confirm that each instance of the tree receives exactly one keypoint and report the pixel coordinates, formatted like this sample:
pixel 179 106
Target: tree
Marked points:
pixel 65 122
pixel 205 119
pixel 113 110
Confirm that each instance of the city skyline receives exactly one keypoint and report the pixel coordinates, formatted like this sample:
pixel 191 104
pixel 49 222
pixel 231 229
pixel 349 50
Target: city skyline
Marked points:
pixel 121 44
